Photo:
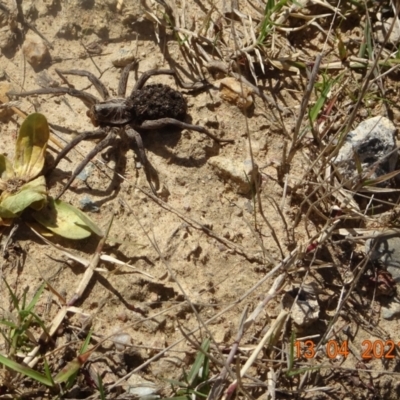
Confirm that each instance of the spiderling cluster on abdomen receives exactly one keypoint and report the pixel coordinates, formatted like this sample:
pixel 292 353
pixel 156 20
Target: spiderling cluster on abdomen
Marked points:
pixel 157 101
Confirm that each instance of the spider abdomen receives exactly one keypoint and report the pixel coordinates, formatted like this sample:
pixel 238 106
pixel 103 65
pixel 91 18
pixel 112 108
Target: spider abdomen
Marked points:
pixel 157 101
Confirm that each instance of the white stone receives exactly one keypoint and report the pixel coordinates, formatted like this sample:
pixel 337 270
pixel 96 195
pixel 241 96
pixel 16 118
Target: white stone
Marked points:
pixel 391 311
pixel 373 141
pixel 140 387
pixel 382 28
pixel 122 340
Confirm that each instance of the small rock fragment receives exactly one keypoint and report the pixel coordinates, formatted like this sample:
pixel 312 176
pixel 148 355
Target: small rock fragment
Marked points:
pixel 306 309
pixel 382 28
pixel 391 311
pixel 87 204
pixel 8 26
pixel 222 336
pixel 85 173
pixel 122 57
pixel 6 111
pixel 385 249
pixel 35 50
pixel 239 174
pixel 141 388
pixel 236 92
pixel 44 80
pixel 122 340
pixel 7 38
pixel 371 145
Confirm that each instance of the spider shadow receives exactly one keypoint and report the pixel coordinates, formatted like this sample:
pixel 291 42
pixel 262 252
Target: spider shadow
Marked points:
pixel 160 142
pixel 109 286
pixel 112 190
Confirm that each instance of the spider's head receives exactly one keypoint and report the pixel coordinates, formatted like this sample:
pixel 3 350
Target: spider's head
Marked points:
pixel 113 112
pixel 90 113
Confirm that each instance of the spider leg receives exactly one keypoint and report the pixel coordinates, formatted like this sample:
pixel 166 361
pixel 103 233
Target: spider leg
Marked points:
pixel 164 122
pixel 123 79
pixel 93 79
pixel 146 75
pixel 87 98
pixel 107 141
pixel 148 169
pixel 98 134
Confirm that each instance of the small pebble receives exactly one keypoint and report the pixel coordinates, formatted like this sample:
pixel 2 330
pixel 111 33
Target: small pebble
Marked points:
pixel 4 88
pixel 235 92
pixel 306 309
pixel 139 388
pixel 373 141
pixel 385 249
pixel 87 204
pixel 83 175
pixel 121 340
pixel 122 57
pixel 35 50
pixel 122 316
pixel 391 311
pixel 382 28
pixel 7 38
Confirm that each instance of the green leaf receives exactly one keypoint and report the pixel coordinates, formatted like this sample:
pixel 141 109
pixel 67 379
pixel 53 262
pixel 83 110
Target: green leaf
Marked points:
pixel 29 372
pixel 31 147
pixel 5 213
pixel 65 220
pixel 87 221
pixel 8 323
pixel 35 298
pixel 30 193
pixel 200 362
pixel 70 381
pixel 6 168
pixel 47 371
pixel 342 48
pixel 324 89
pixel 73 367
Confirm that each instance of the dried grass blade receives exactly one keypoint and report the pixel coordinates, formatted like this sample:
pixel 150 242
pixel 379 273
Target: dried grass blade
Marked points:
pixel 273 332
pixel 91 267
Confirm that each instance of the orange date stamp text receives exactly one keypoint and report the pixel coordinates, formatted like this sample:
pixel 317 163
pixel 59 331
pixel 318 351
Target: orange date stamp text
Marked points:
pixel 370 349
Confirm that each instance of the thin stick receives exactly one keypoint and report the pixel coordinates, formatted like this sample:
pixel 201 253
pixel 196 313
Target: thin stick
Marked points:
pixel 87 276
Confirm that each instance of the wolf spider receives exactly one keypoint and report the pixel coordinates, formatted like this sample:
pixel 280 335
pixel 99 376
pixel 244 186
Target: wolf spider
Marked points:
pixel 146 108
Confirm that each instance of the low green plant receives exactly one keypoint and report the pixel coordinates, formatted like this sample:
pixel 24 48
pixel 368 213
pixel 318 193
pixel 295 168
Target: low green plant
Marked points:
pixel 194 382
pixel 323 90
pixel 17 331
pixel 23 187
pixel 267 24
pixel 18 337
